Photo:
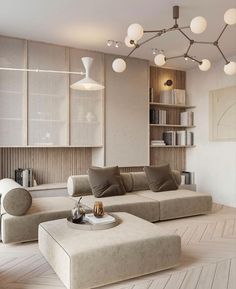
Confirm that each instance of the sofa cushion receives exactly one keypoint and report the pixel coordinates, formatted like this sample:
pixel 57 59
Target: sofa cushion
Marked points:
pixel 140 181
pixel 139 206
pixel 180 203
pixel 127 181
pixel 25 228
pixel 15 200
pixel 177 176
pixel 160 178
pixel 106 182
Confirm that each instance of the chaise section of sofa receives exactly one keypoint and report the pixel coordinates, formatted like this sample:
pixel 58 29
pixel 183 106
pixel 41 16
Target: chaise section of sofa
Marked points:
pixel 25 228
pixel 179 203
pixel 22 225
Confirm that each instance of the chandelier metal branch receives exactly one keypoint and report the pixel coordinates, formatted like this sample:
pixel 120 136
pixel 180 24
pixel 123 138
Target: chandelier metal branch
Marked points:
pixel 198 25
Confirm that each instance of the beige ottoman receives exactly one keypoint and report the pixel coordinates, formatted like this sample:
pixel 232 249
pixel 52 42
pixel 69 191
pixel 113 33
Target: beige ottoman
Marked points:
pixel 87 259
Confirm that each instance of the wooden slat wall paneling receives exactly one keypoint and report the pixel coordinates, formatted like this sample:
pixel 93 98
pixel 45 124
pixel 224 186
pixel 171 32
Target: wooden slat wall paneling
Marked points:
pixel 50 165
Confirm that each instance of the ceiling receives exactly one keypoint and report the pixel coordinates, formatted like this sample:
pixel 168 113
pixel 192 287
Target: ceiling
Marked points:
pixel 90 23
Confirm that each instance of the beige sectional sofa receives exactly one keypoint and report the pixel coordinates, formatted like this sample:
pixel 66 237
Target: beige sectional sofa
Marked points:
pixel 142 202
pixel 138 200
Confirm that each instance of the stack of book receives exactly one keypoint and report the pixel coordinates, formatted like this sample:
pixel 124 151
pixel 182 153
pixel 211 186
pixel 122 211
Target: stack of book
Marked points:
pixel 24 177
pixel 179 138
pixel 187 118
pixel 157 143
pixel 157 116
pixel 184 138
pixel 173 96
pixel 106 219
pixel 187 178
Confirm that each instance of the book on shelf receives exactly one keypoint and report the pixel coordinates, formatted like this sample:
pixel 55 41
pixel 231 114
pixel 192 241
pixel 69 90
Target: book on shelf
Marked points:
pixel 106 219
pixel 188 177
pixel 24 177
pixel 151 94
pixel 179 138
pixel 187 118
pixel 169 138
pixel 157 116
pixel 173 96
pixel 157 143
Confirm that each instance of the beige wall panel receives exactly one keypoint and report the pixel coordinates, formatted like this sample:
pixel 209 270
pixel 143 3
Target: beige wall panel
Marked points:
pixel 127 135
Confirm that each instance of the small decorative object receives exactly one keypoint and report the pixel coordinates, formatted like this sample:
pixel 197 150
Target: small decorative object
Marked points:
pixel 78 213
pixel 98 209
pixel 90 117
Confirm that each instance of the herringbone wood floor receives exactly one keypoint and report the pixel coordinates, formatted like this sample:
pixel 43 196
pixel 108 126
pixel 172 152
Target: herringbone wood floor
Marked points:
pixel 208 258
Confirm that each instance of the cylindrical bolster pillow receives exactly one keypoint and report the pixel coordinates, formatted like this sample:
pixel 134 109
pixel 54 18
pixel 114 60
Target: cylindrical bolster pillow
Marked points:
pixel 177 176
pixel 78 186
pixel 15 199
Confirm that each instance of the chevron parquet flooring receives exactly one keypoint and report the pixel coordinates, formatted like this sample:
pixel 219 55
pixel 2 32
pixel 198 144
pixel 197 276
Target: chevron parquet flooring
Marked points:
pixel 208 259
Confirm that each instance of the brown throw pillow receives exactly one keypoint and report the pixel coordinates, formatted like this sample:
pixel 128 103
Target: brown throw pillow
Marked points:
pixel 106 182
pixel 160 178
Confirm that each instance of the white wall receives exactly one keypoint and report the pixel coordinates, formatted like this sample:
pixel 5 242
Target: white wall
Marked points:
pixel 214 163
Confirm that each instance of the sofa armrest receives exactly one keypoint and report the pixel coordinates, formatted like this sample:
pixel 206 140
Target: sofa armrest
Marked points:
pixel 15 200
pixel 78 185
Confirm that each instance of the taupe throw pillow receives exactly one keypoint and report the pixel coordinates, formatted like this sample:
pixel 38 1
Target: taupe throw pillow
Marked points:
pixel 160 178
pixel 106 182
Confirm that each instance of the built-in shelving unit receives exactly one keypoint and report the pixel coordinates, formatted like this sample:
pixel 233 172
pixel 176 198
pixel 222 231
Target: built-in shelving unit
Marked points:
pixel 172 125
pixel 169 146
pixel 160 153
pixel 172 105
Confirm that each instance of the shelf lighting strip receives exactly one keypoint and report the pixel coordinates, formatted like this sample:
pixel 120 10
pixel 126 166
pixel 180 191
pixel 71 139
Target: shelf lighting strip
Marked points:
pixel 42 70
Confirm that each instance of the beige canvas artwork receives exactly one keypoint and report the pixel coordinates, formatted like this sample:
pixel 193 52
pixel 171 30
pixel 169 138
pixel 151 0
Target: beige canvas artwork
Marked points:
pixel 223 114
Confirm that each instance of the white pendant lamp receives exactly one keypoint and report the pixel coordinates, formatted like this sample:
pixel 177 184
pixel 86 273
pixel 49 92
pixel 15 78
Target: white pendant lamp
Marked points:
pixel 87 83
pixel 119 65
pixel 205 65
pixel 230 68
pixel 198 25
pixel 135 32
pixel 127 42
pixel 160 59
pixel 230 16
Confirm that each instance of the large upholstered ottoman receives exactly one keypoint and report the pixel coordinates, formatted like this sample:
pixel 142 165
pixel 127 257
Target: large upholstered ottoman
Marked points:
pixel 87 259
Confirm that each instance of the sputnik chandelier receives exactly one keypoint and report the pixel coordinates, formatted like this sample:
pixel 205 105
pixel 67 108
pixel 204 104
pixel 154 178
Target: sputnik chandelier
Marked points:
pixel 198 25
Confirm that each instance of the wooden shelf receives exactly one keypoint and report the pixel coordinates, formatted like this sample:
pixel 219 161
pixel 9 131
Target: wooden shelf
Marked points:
pixel 169 146
pixel 172 125
pixel 172 105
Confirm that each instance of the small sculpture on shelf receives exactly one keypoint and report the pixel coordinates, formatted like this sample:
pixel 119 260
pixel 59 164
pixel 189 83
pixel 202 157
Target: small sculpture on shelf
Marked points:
pixel 78 213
